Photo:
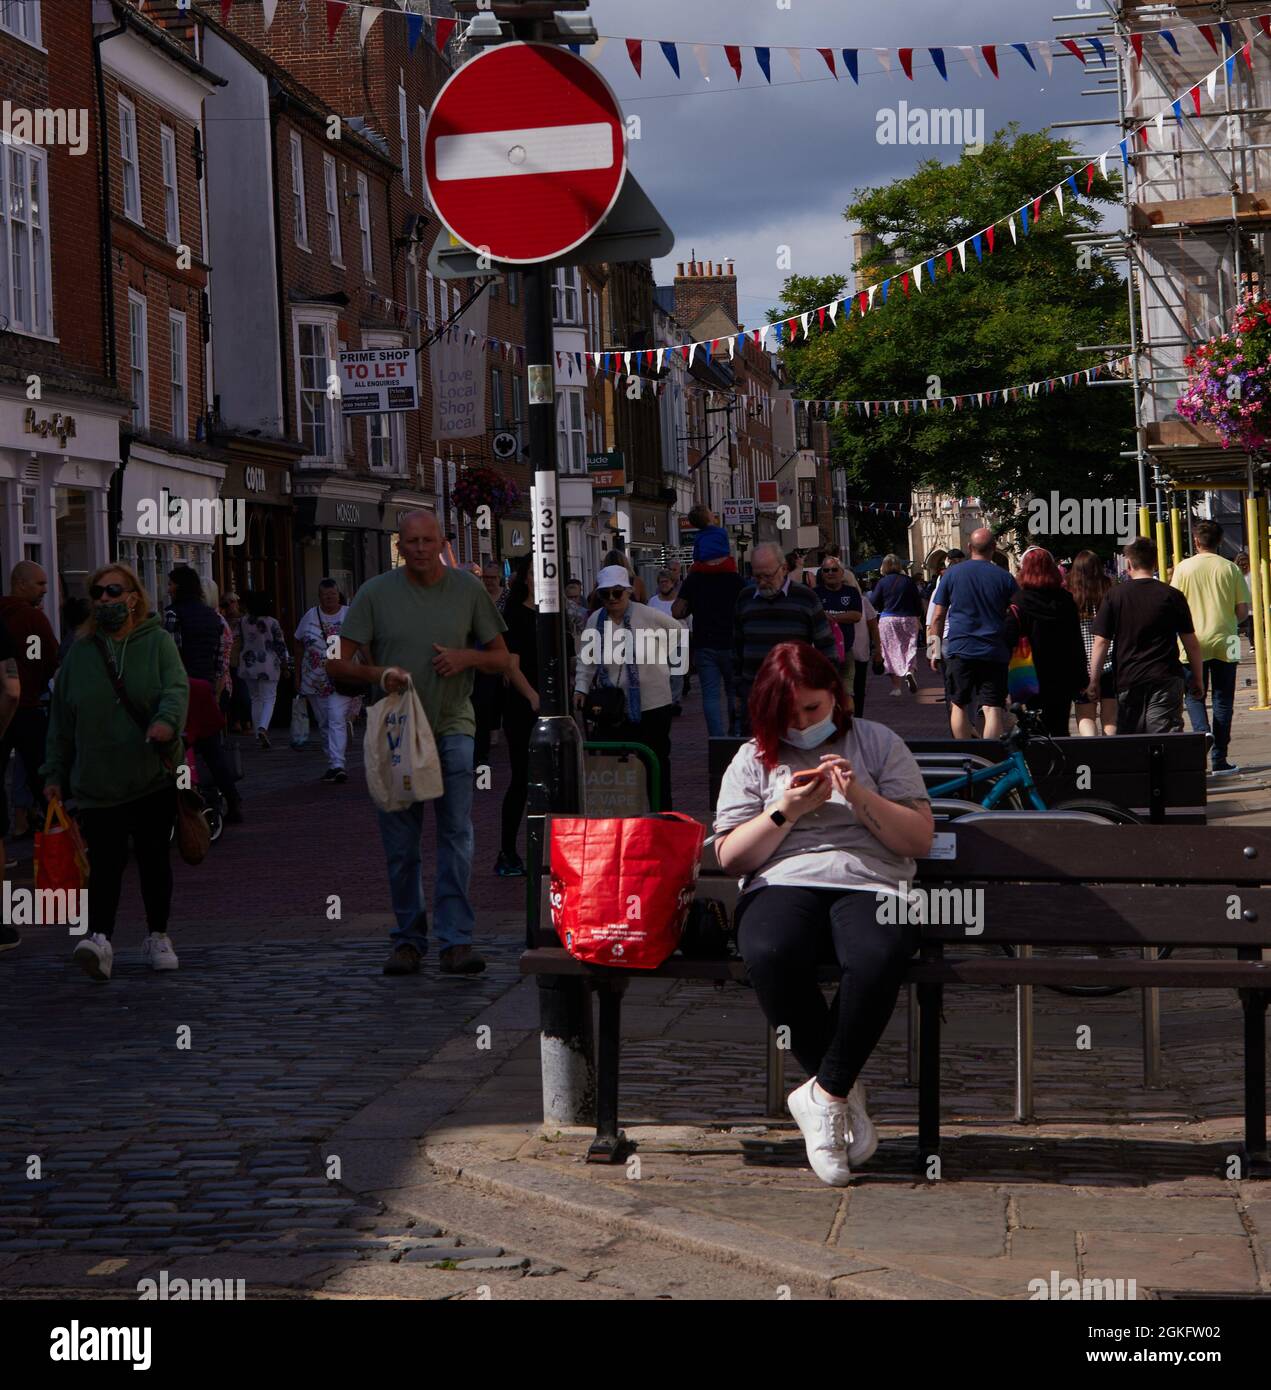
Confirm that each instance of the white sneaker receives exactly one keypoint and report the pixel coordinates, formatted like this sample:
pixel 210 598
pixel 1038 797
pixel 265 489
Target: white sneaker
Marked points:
pixel 157 951
pixel 824 1130
pixel 94 956
pixel 863 1138
pixel 895 694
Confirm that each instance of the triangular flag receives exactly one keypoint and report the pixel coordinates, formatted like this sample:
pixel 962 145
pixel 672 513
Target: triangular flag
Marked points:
pixel 795 61
pixel 1178 112
pixel 335 13
pixel 990 57
pixel 763 56
pixel 692 352
pixel 1022 50
pixel 1231 69
pixel 635 51
pixel 1097 45
pixel 414 27
pixel 1160 122
pixel 948 262
pixel 269 6
pixel 1211 82
pixel 906 56
pixel 834 309
pixel 968 51
pixel 851 61
pixel 884 59
pixel 1136 43
pixel 931 270
pixel 904 283
pixel 991 233
pixel 1125 153
pixel 979 248
pixel 731 343
pixel 672 56
pixel 1059 195
pixel 708 348
pixel 1071 181
pixel 828 55
pixel 1037 209
pixel 1194 93
pixel 1042 49
pixel 1074 48
pixel 1010 222
pixel 661 357
pixel 872 290
pixel 703 62
pixel 1225 30
pixel 733 53
pixel 441 37
pixel 1169 38
pixel 1208 33
pixel 917 274
pixel 1089 177
pixel 370 13
pixel 937 57
pixel 1103 164
pixel 820 317
pixel 962 253
pixel 1246 52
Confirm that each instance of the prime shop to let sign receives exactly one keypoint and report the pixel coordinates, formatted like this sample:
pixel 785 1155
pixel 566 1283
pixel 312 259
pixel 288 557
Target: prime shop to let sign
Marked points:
pixel 376 380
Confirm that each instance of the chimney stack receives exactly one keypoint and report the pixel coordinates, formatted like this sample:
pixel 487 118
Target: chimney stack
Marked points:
pixel 707 284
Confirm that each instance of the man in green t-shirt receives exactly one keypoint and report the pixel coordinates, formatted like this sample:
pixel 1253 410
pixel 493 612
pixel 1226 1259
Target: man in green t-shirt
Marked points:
pixel 1215 592
pixel 437 625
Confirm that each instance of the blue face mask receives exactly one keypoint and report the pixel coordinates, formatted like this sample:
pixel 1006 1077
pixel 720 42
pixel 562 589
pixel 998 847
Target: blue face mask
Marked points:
pixel 811 737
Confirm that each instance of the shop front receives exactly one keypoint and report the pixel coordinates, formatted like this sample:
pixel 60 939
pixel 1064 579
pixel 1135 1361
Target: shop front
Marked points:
pixel 338 536
pixel 648 539
pixel 260 482
pixel 57 456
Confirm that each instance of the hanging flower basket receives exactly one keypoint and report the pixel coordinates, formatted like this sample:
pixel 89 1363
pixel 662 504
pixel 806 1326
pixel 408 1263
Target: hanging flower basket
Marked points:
pixel 1227 380
pixel 483 487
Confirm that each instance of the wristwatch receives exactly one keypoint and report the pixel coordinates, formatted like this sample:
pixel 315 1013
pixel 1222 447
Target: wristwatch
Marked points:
pixel 777 818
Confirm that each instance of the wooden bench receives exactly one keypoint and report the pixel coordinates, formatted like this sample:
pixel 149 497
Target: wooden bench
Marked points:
pixel 1160 777
pixel 1044 884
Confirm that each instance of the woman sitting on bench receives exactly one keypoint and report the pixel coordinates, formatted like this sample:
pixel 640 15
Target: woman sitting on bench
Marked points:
pixel 822 814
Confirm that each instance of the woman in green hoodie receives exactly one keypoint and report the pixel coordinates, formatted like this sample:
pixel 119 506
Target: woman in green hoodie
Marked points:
pixel 121 776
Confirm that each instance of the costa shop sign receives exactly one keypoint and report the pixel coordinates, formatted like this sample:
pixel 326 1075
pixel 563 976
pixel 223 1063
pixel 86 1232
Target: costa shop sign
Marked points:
pixel 376 380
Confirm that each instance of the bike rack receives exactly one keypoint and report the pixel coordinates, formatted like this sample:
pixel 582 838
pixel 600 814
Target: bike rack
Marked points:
pixel 943 760
pixel 950 808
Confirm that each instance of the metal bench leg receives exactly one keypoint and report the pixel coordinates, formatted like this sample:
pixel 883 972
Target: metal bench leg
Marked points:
pixel 610 1144
pixel 1255 1007
pixel 1024 1046
pixel 1151 1028
pixel 911 1029
pixel 929 997
pixel 776 1077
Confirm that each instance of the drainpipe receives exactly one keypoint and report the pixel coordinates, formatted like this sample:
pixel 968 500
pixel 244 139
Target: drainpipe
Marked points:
pixel 277 104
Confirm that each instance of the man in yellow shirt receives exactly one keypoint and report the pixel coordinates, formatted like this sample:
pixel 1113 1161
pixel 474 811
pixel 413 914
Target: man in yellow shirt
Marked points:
pixel 1215 592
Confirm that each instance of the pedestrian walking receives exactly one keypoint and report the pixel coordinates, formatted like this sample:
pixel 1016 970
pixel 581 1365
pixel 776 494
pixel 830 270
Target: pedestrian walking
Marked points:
pixel 1044 613
pixel 899 607
pixel 520 710
pixel 844 610
pixel 708 597
pixel 1215 592
pixel 639 591
pixel 10 699
pixel 434 626
pixel 119 773
pixel 239 712
pixel 975 595
pixel 664 602
pixel 1088 583
pixel 626 675
pixel 317 639
pixel 1146 620
pixel 1249 626
pixel 35 648
pixel 867 646
pixel 822 813
pixel 771 610
pixel 265 660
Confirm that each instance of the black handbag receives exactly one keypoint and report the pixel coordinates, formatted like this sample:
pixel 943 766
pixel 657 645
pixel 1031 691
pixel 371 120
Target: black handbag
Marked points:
pixel 605 708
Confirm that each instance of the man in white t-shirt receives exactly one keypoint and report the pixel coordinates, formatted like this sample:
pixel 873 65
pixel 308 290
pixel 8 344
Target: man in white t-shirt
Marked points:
pixel 318 639
pixel 664 601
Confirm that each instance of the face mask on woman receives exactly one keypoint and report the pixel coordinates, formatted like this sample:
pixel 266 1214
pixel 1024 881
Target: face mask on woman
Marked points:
pixel 811 737
pixel 112 616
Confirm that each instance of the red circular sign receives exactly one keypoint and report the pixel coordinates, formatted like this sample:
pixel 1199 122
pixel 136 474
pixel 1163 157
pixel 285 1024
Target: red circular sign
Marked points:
pixel 524 153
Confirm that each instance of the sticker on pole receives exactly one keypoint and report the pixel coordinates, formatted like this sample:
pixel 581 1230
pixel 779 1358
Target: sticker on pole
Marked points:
pixel 546 543
pixel 525 152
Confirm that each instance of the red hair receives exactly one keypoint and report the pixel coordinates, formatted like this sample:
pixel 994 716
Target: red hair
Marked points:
pixel 1038 570
pixel 787 665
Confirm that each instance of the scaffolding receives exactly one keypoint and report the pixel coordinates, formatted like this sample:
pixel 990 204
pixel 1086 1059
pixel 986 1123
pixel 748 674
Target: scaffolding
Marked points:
pixel 1197 211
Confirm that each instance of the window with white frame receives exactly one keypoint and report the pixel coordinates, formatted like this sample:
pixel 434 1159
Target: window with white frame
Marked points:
pixel 403 131
pixel 128 158
pixel 331 194
pixel 496 397
pixel 177 375
pixel 24 239
pixel 22 18
pixel 171 204
pixel 571 437
pixel 316 410
pixel 139 359
pixel 565 294
pixel 300 216
pixel 364 225
pixel 386 441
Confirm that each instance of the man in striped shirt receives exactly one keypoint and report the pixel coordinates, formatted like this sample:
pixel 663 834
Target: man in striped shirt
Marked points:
pixel 770 610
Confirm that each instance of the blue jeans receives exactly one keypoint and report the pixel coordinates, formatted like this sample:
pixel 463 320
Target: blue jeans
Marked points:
pixel 715 670
pixel 1222 676
pixel 401 832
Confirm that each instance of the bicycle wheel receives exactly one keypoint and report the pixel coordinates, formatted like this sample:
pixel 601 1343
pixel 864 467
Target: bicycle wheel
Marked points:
pixel 1114 815
pixel 215 823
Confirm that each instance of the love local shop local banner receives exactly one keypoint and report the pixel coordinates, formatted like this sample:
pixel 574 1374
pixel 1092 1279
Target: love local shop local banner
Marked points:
pixel 457 362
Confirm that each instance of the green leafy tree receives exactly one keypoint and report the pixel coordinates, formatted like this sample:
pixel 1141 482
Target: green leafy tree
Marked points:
pixel 1017 317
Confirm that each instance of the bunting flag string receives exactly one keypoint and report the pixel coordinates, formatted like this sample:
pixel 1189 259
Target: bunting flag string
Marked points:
pixel 1022 221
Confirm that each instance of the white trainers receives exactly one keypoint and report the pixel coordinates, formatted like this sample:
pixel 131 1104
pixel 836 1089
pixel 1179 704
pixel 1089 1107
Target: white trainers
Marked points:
pixel 94 956
pixel 824 1130
pixel 157 951
pixel 863 1138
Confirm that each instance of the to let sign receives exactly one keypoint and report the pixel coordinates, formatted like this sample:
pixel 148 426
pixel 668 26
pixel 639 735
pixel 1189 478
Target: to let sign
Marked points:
pixel 608 474
pixel 739 511
pixel 376 380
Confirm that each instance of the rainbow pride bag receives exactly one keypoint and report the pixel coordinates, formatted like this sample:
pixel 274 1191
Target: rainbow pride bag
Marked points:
pixel 1021 675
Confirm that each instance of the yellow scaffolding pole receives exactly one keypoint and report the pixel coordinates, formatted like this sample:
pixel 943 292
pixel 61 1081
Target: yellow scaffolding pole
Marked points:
pixel 1262 611
pixel 1145 522
pixel 1257 583
pixel 1162 549
pixel 1176 534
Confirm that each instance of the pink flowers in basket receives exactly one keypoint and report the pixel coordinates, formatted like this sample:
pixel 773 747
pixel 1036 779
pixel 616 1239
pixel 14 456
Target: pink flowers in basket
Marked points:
pixel 1227 386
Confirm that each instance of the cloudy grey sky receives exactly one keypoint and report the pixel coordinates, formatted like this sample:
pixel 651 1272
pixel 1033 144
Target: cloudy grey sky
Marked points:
pixel 743 169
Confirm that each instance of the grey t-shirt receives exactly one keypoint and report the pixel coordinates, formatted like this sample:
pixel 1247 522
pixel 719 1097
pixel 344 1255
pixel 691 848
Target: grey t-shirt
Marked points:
pixel 828 848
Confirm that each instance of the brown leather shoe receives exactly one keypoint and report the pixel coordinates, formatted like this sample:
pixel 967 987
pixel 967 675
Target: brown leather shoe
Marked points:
pixel 403 960
pixel 461 960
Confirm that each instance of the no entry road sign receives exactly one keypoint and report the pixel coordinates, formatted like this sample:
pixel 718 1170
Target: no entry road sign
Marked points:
pixel 524 153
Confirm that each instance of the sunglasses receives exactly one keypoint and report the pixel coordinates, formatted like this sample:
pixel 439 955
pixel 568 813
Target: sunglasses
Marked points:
pixel 606 595
pixel 830 569
pixel 97 591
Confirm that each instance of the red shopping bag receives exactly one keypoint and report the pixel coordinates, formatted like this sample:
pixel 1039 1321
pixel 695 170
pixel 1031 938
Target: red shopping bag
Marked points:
pixel 61 858
pixel 621 888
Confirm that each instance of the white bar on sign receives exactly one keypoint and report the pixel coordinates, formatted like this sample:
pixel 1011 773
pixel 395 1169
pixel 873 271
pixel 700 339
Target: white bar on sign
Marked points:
pixel 496 154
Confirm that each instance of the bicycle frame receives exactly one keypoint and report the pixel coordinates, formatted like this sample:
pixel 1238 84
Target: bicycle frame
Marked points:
pixel 1011 775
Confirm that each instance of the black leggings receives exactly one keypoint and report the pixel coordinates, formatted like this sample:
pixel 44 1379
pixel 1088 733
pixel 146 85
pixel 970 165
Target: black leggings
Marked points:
pixel 859 676
pixel 148 823
pixel 516 734
pixel 785 933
